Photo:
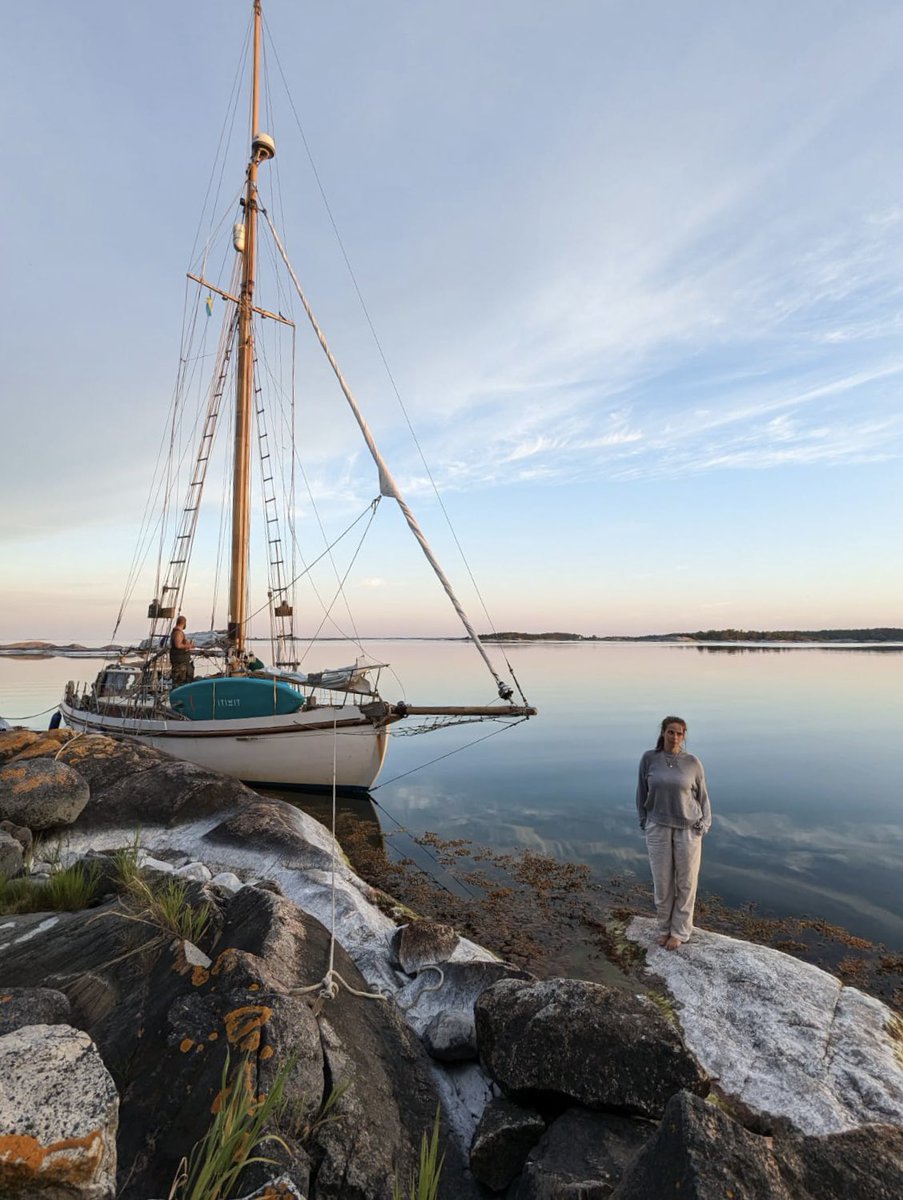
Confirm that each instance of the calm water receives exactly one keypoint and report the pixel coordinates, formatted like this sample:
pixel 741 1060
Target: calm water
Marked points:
pixel 801 749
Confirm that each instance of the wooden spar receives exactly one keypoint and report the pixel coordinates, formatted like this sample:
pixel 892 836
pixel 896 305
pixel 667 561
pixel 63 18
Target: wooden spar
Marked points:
pixel 263 312
pixel 444 710
pixel 244 392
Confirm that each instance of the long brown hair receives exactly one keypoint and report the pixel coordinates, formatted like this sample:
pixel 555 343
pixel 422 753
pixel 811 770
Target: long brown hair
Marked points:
pixel 660 744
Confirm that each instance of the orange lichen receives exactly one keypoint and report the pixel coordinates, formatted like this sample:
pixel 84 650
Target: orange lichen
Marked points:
pixel 23 1157
pixel 46 744
pixel 199 975
pixel 266 1052
pixel 5 999
pixel 253 987
pixel 225 962
pixel 19 782
pixel 243 1025
pixel 16 740
pixel 185 1045
pixel 211 1037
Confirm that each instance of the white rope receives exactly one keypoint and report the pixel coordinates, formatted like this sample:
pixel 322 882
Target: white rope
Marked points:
pixel 328 987
pixel 69 742
pixel 434 987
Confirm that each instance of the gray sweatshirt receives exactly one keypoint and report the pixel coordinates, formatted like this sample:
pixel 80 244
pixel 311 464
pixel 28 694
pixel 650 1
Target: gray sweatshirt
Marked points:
pixel 673 795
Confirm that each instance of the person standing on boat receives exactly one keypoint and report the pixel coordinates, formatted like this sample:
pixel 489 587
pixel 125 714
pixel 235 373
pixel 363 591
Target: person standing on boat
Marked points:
pixel 180 648
pixel 674 810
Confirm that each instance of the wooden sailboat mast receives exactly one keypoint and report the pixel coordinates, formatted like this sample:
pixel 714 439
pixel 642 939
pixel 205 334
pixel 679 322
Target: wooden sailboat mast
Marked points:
pixel 261 148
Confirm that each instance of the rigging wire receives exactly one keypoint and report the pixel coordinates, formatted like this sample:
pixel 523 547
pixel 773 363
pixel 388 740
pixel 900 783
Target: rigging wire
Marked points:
pixel 385 362
pixel 189 325
pixel 448 754
pixel 371 508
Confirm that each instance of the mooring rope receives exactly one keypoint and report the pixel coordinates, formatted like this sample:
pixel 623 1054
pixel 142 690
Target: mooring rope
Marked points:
pixel 31 716
pixel 328 986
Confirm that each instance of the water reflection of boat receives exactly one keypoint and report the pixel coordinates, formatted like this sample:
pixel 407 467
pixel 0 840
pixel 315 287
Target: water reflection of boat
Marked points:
pixel 357 826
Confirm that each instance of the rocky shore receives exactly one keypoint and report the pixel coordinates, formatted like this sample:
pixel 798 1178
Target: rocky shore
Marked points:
pixel 186 965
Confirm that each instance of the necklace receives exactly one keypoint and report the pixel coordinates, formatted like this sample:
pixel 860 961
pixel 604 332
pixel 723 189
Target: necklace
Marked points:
pixel 670 761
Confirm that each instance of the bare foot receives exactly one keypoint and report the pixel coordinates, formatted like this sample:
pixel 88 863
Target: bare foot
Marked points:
pixel 672 943
pixel 663 939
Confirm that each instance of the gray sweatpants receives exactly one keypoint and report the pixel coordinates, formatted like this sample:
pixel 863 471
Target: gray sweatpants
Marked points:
pixel 674 855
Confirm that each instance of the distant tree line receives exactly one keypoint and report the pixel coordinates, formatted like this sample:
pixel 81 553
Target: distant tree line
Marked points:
pixel 795 635
pixel 715 635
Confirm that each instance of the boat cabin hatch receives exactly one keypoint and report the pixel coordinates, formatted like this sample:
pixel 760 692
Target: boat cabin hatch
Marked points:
pixel 236 696
pixel 119 681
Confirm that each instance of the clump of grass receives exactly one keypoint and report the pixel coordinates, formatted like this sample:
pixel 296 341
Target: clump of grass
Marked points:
pixel 423 1184
pixel 47 850
pixel 166 905
pixel 304 1122
pixel 73 888
pixel 125 862
pixel 233 1137
pixel 174 910
pixel 69 890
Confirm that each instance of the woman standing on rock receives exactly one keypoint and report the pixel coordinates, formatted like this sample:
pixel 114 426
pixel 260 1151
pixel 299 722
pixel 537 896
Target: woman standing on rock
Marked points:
pixel 674 811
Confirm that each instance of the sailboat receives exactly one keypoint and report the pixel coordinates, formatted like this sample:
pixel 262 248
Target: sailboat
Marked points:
pixel 267 725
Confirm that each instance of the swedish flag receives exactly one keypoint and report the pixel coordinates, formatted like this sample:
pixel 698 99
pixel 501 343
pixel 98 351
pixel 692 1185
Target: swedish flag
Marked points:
pixel 209 304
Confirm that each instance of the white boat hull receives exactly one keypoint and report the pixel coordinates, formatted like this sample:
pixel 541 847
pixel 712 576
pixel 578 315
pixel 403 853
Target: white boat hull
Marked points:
pixel 301 750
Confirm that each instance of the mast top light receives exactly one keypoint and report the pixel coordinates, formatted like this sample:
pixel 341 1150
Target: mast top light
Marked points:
pixel 263 147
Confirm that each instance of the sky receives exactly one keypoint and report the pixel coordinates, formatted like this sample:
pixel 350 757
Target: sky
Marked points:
pixel 636 269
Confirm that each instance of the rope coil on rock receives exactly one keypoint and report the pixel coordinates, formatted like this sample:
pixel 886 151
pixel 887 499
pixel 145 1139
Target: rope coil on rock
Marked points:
pixel 433 987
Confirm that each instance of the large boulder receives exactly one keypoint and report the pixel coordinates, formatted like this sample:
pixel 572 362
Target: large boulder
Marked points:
pixel 164 1020
pixel 58 1116
pixel 700 1153
pixel 104 761
pixel 584 1042
pixel 582 1156
pixel 21 833
pixel 32 1006
pixel 442 999
pixel 47 743
pixel 422 943
pixel 41 793
pixel 14 741
pixel 10 856
pixel 865 1163
pixel 166 792
pixel 785 1040
pixel 505 1135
